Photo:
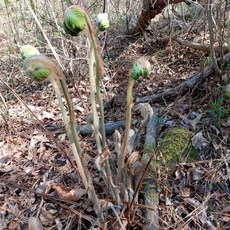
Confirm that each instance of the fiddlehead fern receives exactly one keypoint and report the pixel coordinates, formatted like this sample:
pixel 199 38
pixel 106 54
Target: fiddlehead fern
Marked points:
pixel 40 68
pixel 102 21
pixel 28 51
pixel 75 21
pixel 73 24
pixel 140 68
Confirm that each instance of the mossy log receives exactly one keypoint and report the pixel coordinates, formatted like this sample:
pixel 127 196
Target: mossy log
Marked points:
pixel 149 185
pixel 175 148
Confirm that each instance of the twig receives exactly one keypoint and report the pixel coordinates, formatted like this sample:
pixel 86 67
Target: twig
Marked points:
pixel 211 36
pixel 198 46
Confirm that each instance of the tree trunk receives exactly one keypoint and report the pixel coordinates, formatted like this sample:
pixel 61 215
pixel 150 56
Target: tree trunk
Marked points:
pixel 150 9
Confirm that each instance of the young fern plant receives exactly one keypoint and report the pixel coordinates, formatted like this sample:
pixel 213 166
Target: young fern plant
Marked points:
pixel 140 68
pixel 40 68
pixel 77 19
pixel 28 51
pixel 102 22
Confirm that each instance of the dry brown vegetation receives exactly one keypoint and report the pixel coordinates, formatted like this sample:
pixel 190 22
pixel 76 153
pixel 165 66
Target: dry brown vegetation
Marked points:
pixel 40 188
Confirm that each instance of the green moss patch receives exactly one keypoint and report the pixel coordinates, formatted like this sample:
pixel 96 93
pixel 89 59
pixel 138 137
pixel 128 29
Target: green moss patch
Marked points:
pixel 176 147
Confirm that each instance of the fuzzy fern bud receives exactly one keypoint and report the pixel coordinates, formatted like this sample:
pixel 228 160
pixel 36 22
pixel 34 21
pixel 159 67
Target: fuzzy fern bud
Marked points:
pixel 102 21
pixel 28 50
pixel 40 68
pixel 74 20
pixel 140 68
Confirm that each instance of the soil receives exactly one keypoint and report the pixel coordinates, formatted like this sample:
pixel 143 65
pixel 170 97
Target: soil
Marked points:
pixel 193 195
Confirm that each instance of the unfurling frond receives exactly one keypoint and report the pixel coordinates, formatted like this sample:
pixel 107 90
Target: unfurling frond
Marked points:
pixel 40 67
pixel 28 51
pixel 140 68
pixel 102 21
pixel 74 20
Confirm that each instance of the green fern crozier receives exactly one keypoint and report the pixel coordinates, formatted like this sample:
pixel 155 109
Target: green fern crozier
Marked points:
pixel 102 21
pixel 74 21
pixel 38 67
pixel 140 68
pixel 28 51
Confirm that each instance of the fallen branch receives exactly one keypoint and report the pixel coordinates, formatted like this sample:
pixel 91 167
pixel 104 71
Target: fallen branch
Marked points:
pixel 184 86
pixel 87 129
pixel 151 197
pixel 198 46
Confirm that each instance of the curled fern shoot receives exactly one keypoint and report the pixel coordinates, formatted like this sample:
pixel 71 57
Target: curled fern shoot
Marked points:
pixel 140 68
pixel 136 71
pixel 28 51
pixel 74 21
pixel 40 68
pixel 100 72
pixel 102 21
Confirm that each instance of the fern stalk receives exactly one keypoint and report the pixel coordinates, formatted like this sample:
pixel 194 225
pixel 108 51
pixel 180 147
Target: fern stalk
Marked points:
pixel 94 47
pixel 80 161
pixel 129 102
pixel 100 72
pixel 92 99
pixel 140 68
pixel 40 68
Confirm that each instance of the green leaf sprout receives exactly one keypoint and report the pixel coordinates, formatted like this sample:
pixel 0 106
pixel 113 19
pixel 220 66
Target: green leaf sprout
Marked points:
pixel 28 51
pixel 102 21
pixel 74 21
pixel 38 67
pixel 140 68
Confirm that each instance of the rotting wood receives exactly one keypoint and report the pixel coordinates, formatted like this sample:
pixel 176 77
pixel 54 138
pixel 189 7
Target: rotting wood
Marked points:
pixel 192 44
pixel 198 46
pixel 149 185
pixel 150 9
pixel 184 86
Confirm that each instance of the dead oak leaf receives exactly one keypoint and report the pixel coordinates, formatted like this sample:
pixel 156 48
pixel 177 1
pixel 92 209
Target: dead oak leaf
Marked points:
pixel 104 204
pixel 34 224
pixel 199 141
pixel 68 194
pixel 14 225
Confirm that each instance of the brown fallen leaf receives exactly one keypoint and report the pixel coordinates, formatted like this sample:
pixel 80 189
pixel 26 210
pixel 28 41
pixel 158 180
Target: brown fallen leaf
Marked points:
pixel 68 194
pixel 14 225
pixel 185 192
pixel 199 141
pixel 226 209
pixel 104 204
pixel 34 224
pixel 193 202
pixel 195 174
pixel 6 168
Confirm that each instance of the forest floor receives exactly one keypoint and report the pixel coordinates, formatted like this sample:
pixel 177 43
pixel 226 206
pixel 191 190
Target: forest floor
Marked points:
pixel 192 195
